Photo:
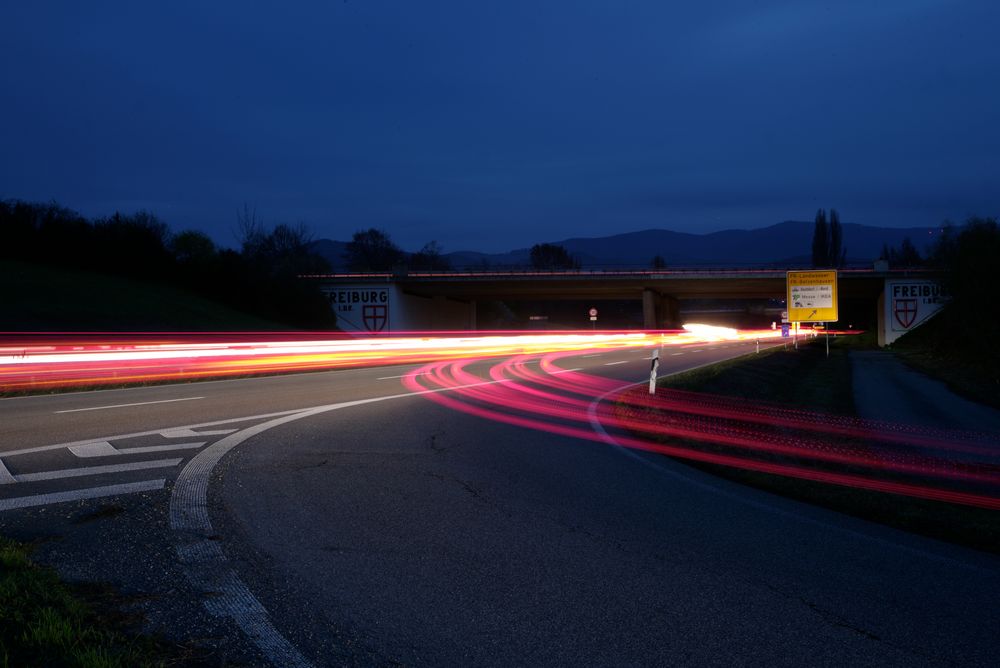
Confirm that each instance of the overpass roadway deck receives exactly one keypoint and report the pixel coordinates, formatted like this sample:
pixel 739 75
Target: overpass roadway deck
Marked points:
pixel 660 291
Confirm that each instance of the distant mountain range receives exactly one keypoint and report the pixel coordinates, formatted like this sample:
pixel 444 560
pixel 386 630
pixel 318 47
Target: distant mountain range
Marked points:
pixel 784 244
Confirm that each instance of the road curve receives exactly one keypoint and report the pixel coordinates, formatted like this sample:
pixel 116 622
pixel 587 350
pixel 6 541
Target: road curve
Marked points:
pixel 397 529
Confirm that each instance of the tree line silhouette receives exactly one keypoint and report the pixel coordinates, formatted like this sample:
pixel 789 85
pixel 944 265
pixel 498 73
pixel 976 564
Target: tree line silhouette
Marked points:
pixel 259 279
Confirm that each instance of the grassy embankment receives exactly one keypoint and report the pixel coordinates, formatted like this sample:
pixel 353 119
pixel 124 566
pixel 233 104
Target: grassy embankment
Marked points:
pixel 806 379
pixel 48 299
pixel 45 622
pixel 970 368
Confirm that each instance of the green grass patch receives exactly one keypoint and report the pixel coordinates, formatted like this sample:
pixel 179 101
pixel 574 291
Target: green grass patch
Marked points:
pixel 45 622
pixel 807 379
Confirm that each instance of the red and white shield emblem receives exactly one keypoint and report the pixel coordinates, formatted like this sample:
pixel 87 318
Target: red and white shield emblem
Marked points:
pixel 905 311
pixel 375 317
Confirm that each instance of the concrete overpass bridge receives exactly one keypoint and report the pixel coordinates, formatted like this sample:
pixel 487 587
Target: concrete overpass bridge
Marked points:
pixel 447 300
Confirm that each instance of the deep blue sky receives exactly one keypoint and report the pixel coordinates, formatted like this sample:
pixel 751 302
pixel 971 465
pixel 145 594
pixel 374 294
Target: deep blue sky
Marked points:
pixel 495 125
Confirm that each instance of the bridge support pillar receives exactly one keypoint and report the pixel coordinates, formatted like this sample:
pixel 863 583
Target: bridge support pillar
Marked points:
pixel 659 311
pixel 649 308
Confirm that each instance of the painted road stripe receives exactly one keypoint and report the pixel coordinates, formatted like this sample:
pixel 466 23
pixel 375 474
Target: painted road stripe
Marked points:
pixel 5 477
pixel 403 376
pixel 96 470
pixel 614 363
pixel 675 354
pixel 141 403
pixel 80 494
pixel 184 432
pixel 564 371
pixel 597 355
pixel 105 449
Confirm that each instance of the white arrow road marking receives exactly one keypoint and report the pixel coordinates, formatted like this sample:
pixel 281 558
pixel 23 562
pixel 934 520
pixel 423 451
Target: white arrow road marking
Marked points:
pixel 105 449
pixel 141 403
pixel 5 477
pixel 80 494
pixel 96 470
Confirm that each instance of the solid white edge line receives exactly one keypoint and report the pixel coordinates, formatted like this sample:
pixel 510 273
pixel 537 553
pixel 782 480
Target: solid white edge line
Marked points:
pixel 141 403
pixel 198 550
pixel 81 494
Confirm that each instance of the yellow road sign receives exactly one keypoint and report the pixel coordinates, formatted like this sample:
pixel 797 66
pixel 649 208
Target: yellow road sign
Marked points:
pixel 812 296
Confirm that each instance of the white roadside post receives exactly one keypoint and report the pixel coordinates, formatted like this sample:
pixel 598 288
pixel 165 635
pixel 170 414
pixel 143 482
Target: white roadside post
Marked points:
pixel 653 368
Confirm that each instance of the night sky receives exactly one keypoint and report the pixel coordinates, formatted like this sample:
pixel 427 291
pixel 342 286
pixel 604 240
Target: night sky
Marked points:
pixel 495 125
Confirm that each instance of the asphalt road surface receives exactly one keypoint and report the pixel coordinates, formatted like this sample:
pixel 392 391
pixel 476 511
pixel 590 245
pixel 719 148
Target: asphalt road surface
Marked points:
pixel 341 519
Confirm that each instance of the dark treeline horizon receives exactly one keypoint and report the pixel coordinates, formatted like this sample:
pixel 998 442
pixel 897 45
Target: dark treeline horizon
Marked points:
pixel 261 278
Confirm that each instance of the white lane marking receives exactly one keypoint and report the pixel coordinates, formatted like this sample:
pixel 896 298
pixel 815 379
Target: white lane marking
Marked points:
pixel 137 434
pixel 614 363
pixel 697 351
pixel 5 477
pixel 207 569
pixel 586 356
pixel 675 354
pixel 184 432
pixel 564 371
pixel 141 403
pixel 403 376
pixel 105 449
pixel 80 494
pixel 96 470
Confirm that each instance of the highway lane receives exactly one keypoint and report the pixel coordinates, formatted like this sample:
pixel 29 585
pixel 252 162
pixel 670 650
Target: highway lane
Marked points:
pixel 444 539
pixel 405 531
pixel 75 445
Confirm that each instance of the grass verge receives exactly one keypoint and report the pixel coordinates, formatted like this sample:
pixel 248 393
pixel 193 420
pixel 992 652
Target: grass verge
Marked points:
pixel 807 379
pixel 45 622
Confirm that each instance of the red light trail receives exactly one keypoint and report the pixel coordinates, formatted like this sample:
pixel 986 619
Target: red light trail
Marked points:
pixel 954 466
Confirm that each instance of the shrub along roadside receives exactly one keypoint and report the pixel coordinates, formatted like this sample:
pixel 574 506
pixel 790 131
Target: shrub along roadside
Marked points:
pixel 806 379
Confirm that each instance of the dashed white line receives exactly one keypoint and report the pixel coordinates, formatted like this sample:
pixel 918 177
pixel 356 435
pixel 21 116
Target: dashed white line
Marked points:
pixel 564 371
pixel 614 363
pixel 403 376
pixel 80 494
pixel 105 449
pixel 675 354
pixel 96 470
pixel 586 356
pixel 141 403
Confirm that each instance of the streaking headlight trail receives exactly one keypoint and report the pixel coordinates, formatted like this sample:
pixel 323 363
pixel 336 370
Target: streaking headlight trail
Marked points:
pixel 43 363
